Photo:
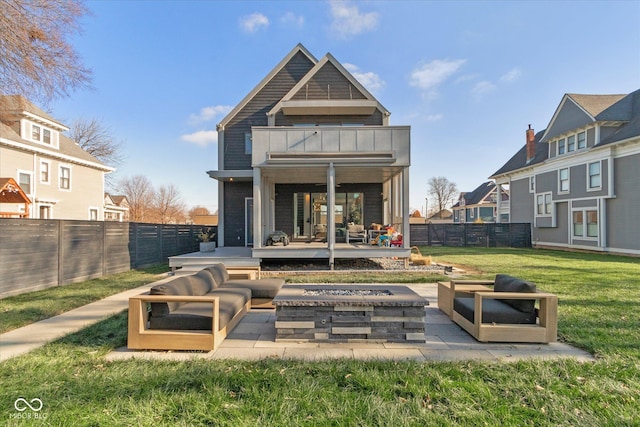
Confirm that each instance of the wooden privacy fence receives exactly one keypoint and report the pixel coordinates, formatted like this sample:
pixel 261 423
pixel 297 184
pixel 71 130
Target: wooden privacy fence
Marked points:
pixel 36 254
pixel 516 235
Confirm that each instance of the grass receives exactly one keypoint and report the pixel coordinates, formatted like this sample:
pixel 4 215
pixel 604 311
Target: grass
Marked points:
pixel 598 295
pixel 31 307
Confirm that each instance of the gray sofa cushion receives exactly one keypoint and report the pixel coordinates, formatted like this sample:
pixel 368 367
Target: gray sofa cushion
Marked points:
pixel 506 283
pixel 493 311
pixel 219 273
pixel 261 288
pixel 197 316
pixel 183 285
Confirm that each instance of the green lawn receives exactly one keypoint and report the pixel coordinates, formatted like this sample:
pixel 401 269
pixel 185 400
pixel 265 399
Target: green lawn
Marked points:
pixel 598 294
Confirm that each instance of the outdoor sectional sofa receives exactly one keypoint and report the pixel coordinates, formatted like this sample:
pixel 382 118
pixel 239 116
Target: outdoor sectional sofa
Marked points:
pixel 512 311
pixel 196 311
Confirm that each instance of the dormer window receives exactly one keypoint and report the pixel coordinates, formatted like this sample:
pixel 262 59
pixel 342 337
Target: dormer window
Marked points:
pixel 561 146
pixel 35 133
pixel 582 140
pixel 571 143
pixel 46 136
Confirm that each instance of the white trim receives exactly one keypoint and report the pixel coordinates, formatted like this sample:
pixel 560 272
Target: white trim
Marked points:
pixel 70 168
pixel 97 210
pixel 588 182
pixel 55 155
pixel 48 163
pixel 568 190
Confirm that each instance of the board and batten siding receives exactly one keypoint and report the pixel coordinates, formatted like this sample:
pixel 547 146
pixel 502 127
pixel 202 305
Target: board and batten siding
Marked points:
pixel 255 112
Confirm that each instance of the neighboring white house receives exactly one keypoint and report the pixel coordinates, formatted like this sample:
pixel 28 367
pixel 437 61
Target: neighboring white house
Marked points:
pixel 578 181
pixel 61 180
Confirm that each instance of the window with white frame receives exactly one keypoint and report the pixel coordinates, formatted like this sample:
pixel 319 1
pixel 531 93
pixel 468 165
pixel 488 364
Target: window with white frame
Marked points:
pixel 24 181
pixel 563 180
pixel 562 148
pixel 585 224
pixel 93 214
pixel 46 136
pixel 45 174
pixel 543 204
pixel 65 177
pixel 594 179
pixel 532 184
pixel 247 143
pixel 35 132
pixel 582 140
pixel 571 143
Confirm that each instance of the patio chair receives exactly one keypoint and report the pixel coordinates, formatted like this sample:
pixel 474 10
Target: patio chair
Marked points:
pixel 507 313
pixel 356 232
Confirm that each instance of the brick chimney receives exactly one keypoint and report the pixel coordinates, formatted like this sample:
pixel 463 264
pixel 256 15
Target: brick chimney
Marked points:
pixel 531 144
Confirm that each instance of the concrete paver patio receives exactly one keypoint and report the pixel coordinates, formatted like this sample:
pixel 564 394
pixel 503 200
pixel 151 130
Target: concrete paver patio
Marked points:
pixel 254 339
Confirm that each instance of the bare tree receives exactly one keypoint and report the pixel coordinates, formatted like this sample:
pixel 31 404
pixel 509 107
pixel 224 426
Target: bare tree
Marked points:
pixel 140 194
pixel 168 206
pixel 443 192
pixel 197 211
pixel 36 59
pixel 96 139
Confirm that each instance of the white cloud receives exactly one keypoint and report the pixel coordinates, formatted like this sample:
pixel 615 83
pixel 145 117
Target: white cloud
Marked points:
pixel 293 20
pixel 511 75
pixel 370 80
pixel 201 137
pixel 347 20
pixel 429 76
pixel 482 88
pixel 254 22
pixel 209 113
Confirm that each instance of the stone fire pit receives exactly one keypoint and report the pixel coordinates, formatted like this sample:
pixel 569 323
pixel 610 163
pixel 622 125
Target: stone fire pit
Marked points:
pixel 349 313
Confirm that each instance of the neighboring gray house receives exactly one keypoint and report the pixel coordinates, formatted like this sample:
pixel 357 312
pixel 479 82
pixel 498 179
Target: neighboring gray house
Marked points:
pixel 310 151
pixel 481 205
pixel 578 181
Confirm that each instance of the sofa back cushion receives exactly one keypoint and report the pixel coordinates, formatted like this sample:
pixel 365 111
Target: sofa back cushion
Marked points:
pixel 192 285
pixel 219 273
pixel 506 283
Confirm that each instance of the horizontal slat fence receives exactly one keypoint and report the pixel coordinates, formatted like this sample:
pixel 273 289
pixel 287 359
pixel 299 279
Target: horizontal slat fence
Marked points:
pixel 37 254
pixel 515 235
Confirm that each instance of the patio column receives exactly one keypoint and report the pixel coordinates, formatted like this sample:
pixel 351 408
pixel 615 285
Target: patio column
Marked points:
pixel 498 218
pixel 257 209
pixel 406 235
pixel 331 211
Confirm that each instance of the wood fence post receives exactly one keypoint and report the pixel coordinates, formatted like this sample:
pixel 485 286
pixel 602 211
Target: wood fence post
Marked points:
pixel 60 252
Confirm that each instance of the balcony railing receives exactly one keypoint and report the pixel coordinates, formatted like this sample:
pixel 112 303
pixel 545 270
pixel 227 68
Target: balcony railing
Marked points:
pixel 388 144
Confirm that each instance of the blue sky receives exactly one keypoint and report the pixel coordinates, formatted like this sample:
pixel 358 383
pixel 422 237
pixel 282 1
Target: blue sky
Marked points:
pixel 467 76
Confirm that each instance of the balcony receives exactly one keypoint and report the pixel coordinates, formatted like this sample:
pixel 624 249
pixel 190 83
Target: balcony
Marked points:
pixel 342 145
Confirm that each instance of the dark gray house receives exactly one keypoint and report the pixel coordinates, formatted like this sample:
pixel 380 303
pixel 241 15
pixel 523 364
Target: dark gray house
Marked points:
pixel 578 181
pixel 309 151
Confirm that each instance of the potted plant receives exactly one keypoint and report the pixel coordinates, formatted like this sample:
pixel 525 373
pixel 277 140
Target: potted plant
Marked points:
pixel 207 239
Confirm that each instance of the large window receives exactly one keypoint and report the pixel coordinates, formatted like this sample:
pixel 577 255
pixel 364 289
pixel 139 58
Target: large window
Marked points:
pixel 595 181
pixel 248 144
pixel 585 224
pixel 24 181
pixel 44 172
pixel 65 178
pixel 543 204
pixel 563 180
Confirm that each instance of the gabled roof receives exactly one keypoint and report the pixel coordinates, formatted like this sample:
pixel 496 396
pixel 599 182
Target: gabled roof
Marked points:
pixel 298 49
pixel 10 192
pixel 478 195
pixel 519 160
pixel 593 107
pixel 20 106
pixel 363 100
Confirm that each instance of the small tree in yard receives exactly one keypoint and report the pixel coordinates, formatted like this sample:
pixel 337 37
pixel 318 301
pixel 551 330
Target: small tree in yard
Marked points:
pixel 442 192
